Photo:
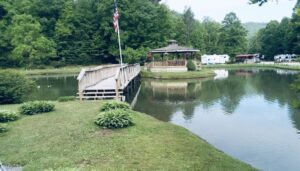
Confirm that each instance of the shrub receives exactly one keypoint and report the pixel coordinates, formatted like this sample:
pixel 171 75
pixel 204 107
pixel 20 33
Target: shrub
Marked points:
pixel 6 116
pixel 191 66
pixel 58 64
pixel 14 87
pixel 112 105
pixel 114 119
pixel 3 128
pixel 296 104
pixel 35 107
pixel 66 98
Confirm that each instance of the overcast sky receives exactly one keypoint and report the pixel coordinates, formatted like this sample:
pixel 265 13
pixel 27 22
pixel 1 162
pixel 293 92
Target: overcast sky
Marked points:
pixel 217 9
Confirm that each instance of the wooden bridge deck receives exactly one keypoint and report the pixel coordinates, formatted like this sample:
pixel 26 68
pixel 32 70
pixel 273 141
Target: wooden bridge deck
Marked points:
pixel 106 82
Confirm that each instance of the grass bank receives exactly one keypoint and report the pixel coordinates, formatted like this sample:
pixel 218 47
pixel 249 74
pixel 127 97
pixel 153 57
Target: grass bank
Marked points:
pixel 276 66
pixel 178 75
pixel 67 138
pixel 51 71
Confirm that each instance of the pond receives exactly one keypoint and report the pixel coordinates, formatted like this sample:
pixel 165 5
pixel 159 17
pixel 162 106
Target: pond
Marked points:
pixel 247 114
pixel 54 86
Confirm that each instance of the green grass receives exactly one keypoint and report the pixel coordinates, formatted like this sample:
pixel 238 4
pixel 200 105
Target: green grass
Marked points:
pixel 278 66
pixel 178 75
pixel 51 71
pixel 68 138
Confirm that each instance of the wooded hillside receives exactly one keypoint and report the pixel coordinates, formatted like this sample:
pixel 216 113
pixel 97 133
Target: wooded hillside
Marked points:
pixel 36 33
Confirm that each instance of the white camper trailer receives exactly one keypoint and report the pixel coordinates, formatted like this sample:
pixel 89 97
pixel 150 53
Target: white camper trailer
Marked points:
pixel 214 59
pixel 285 58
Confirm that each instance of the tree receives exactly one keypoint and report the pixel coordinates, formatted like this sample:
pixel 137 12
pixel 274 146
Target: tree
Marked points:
pixel 254 45
pixel 14 87
pixel 296 25
pixel 132 56
pixel 189 21
pixel 5 46
pixel 211 36
pixel 197 37
pixel 232 36
pixel 260 2
pixel 178 28
pixel 29 45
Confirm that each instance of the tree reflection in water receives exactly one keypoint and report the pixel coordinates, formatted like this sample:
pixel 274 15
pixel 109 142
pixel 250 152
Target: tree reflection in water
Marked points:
pixel 162 99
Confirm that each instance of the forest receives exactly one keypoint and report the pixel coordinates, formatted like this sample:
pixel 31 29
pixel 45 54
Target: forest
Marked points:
pixel 39 33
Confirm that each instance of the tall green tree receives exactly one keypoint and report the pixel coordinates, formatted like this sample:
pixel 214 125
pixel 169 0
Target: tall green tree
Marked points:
pixel 211 36
pixel 232 36
pixel 5 46
pixel 29 45
pixel 197 37
pixel 189 21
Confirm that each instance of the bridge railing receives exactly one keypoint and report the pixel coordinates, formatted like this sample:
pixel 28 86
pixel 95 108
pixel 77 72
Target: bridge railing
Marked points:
pixel 124 75
pixel 92 76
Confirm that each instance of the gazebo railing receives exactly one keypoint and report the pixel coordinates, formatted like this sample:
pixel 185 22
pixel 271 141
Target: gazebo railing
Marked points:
pixel 169 63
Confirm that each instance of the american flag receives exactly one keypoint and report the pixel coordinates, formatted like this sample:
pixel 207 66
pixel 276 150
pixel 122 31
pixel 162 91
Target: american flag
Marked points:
pixel 116 16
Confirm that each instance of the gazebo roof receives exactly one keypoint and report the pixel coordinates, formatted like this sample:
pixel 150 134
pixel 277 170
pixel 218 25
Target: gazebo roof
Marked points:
pixel 173 48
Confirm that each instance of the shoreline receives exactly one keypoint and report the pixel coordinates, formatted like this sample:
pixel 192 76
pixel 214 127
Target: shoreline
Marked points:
pixel 204 73
pixel 149 145
pixel 241 66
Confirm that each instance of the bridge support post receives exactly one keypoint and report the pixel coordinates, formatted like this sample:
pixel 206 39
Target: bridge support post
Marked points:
pixel 80 95
pixel 117 89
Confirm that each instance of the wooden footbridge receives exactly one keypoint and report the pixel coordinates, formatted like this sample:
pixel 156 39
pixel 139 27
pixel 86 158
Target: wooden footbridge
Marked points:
pixel 106 81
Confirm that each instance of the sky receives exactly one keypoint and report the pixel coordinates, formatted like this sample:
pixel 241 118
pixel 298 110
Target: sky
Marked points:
pixel 217 9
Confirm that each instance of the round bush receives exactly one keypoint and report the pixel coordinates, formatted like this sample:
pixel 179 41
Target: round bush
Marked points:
pixel 35 107
pixel 112 105
pixel 191 66
pixel 3 128
pixel 114 119
pixel 6 116
pixel 14 87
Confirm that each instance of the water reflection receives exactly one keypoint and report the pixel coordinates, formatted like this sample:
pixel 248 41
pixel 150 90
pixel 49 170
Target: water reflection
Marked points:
pixel 248 114
pixel 220 74
pixel 163 98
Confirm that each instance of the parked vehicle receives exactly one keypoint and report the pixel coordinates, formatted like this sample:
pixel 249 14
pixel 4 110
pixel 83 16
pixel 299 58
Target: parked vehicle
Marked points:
pixel 248 58
pixel 214 59
pixel 285 58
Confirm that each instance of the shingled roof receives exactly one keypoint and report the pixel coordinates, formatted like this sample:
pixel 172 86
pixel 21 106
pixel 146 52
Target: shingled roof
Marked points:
pixel 173 48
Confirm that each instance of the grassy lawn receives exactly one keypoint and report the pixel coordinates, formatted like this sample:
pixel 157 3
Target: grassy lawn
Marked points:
pixel 279 66
pixel 206 72
pixel 178 75
pixel 67 138
pixel 52 71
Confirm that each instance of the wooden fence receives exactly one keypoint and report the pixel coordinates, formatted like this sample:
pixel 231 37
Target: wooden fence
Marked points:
pixel 169 63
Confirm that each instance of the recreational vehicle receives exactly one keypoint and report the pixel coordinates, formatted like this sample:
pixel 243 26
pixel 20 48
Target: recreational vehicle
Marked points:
pixel 214 59
pixel 285 58
pixel 247 58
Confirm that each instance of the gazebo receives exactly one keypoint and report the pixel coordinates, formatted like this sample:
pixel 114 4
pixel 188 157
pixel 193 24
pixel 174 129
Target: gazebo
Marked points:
pixel 174 65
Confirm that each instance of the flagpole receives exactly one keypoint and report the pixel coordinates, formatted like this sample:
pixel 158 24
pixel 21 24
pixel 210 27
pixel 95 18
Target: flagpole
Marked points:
pixel 120 48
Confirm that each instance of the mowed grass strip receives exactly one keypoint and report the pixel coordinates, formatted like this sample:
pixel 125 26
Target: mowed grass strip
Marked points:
pixel 50 71
pixel 178 75
pixel 68 138
pixel 257 65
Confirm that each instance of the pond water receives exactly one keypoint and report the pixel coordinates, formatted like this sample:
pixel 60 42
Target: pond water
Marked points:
pixel 54 86
pixel 247 114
